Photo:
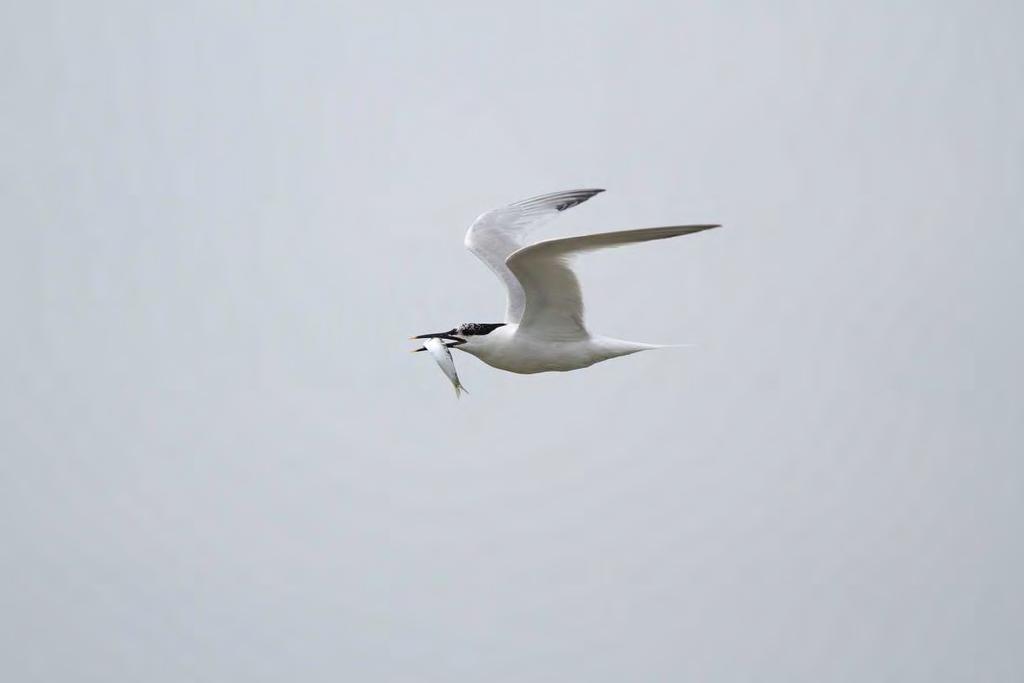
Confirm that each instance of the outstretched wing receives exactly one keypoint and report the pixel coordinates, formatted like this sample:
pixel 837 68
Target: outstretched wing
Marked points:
pixel 554 301
pixel 495 235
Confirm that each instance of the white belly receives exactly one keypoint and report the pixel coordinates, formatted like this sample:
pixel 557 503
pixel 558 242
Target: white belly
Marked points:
pixel 527 358
pixel 512 352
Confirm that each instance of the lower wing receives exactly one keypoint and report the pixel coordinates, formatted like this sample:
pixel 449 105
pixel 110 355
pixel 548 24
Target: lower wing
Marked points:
pixel 554 301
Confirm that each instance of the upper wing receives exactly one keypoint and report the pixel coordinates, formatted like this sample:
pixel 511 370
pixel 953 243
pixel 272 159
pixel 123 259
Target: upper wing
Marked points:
pixel 554 302
pixel 495 235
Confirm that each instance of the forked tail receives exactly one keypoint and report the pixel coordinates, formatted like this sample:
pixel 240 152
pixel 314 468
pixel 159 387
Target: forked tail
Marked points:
pixel 621 347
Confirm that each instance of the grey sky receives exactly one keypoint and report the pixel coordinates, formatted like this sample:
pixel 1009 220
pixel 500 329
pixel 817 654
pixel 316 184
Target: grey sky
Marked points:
pixel 223 220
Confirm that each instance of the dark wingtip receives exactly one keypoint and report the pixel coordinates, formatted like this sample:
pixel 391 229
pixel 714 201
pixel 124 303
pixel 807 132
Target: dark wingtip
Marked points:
pixel 560 201
pixel 577 197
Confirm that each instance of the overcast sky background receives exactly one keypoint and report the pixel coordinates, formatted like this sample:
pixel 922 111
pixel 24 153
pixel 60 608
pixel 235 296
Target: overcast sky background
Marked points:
pixel 221 222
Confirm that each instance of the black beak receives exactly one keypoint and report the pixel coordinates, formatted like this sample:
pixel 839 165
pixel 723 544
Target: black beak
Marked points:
pixel 447 336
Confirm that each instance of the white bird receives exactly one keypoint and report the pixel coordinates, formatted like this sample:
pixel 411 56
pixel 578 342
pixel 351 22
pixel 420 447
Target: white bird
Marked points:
pixel 543 329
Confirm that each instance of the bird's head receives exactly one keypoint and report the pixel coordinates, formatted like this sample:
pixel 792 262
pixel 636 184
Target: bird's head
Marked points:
pixel 465 335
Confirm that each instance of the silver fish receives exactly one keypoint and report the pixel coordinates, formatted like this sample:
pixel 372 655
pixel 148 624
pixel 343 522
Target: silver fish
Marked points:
pixel 439 350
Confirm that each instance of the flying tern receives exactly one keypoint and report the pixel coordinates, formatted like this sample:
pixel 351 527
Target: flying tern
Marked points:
pixel 543 329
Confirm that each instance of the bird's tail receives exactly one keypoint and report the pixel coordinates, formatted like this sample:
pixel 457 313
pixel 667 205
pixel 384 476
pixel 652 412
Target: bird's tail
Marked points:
pixel 621 347
pixel 640 346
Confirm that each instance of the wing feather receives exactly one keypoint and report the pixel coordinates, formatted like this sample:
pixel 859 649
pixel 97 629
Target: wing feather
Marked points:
pixel 496 234
pixel 553 298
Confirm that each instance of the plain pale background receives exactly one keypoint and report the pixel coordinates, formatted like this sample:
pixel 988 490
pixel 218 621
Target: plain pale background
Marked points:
pixel 221 222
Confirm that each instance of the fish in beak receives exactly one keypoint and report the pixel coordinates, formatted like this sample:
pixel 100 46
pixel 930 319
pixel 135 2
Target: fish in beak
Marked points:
pixel 449 336
pixel 443 355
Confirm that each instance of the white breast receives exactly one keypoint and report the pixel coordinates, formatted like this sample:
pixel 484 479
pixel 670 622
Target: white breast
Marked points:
pixel 508 350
